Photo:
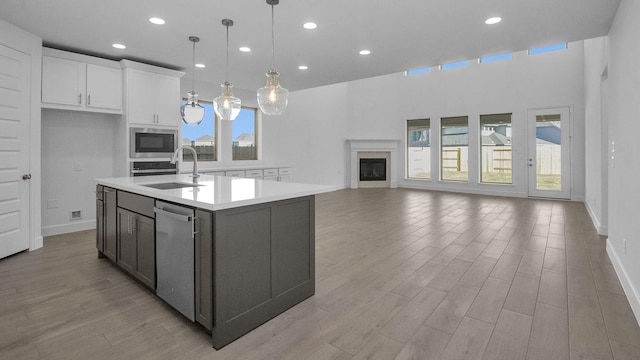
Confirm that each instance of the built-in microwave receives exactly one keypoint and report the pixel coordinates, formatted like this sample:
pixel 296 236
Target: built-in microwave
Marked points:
pixel 151 143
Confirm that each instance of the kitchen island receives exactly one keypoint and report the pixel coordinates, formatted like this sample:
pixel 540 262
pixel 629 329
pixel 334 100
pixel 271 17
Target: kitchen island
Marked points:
pixel 250 244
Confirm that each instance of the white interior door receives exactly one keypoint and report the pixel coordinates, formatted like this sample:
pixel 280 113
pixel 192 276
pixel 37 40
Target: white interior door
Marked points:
pixel 14 150
pixel 549 155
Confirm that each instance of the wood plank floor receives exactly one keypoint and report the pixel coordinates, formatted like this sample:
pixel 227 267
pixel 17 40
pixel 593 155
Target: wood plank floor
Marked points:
pixel 401 274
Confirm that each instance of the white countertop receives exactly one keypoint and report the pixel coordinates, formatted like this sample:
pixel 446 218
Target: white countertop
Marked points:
pixel 215 192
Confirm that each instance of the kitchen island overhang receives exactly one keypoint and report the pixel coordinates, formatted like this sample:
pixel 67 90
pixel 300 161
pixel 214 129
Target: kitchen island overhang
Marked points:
pixel 254 244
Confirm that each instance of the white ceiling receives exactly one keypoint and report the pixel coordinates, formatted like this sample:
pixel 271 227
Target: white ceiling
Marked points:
pixel 401 34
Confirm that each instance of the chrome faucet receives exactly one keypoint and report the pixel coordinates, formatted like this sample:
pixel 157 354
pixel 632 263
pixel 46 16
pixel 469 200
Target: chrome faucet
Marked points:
pixel 174 158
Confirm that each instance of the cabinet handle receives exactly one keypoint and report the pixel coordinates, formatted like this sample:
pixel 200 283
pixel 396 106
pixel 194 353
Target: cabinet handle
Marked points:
pixel 134 227
pixel 196 226
pixel 80 98
pixel 89 99
pixel 128 224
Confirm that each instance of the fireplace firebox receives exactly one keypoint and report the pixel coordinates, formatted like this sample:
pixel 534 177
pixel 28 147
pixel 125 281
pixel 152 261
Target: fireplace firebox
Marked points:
pixel 373 169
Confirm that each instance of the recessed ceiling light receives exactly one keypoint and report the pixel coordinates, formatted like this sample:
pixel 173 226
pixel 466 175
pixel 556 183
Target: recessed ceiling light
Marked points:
pixel 200 65
pixel 365 52
pixel 157 21
pixel 310 25
pixel 303 67
pixel 119 46
pixel 245 49
pixel 493 20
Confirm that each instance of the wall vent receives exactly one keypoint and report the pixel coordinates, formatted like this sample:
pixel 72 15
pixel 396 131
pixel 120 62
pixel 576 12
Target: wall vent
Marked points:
pixel 76 215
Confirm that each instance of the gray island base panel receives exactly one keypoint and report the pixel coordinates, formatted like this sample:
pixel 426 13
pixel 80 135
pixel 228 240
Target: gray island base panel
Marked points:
pixel 253 259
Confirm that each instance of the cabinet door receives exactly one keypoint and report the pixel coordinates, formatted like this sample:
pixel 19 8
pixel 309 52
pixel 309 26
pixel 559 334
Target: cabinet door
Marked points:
pixel 140 97
pixel 110 223
pixel 63 82
pixel 146 250
pixel 167 100
pixel 127 246
pixel 100 225
pixel 204 268
pixel 104 87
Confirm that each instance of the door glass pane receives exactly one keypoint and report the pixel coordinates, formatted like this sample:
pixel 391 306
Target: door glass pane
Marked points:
pixel 495 158
pixel 548 152
pixel 454 153
pixel 418 149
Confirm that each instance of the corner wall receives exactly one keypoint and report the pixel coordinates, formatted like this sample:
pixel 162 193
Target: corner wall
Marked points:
pixel 77 147
pixel 596 132
pixel 623 244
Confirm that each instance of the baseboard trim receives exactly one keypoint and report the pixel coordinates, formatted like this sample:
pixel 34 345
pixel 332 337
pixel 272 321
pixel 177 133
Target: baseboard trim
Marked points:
pixel 602 230
pixel 632 293
pixel 68 228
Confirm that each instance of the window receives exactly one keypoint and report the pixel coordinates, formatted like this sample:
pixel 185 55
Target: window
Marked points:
pixel 201 137
pixel 454 65
pixel 546 49
pixel 244 145
pixel 495 156
pixel 419 71
pixel 492 58
pixel 418 149
pixel 454 153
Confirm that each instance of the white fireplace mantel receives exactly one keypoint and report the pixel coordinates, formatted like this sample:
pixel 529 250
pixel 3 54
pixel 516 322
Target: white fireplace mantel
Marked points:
pixel 374 145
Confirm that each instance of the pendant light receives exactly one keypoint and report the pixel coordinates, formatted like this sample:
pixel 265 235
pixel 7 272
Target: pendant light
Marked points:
pixel 273 98
pixel 226 105
pixel 192 113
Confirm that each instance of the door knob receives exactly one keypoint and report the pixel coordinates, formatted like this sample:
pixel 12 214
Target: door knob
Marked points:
pixel 26 176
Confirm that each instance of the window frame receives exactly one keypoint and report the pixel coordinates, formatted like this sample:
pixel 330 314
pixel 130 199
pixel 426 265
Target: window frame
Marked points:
pixel 216 137
pixel 408 147
pixel 256 130
pixel 481 155
pixel 442 147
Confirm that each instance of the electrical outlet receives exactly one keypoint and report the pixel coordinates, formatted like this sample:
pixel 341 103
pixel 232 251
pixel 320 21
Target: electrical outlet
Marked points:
pixel 76 215
pixel 624 245
pixel 52 204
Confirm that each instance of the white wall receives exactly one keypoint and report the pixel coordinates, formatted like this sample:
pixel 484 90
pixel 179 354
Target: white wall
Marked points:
pixel 624 129
pixel 377 108
pixel 310 136
pixel 77 147
pixel 596 132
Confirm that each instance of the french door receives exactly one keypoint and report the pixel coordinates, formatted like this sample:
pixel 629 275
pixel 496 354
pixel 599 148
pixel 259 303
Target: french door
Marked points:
pixel 548 154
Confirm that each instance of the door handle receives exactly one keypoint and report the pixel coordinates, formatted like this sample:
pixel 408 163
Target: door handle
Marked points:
pixel 26 176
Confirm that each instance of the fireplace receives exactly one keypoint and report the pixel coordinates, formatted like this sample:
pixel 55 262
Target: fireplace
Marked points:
pixel 372 163
pixel 373 169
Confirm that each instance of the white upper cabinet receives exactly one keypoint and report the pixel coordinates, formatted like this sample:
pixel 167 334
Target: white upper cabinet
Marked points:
pixel 152 98
pixel 104 87
pixel 76 85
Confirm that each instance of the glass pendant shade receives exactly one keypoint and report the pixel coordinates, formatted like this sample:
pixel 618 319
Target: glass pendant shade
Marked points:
pixel 273 98
pixel 192 113
pixel 226 105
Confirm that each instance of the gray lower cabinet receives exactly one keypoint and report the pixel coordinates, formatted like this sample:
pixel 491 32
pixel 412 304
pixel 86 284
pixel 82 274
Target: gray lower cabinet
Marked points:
pixel 100 226
pixel 264 263
pixel 136 237
pixel 204 268
pixel 108 236
pixel 251 263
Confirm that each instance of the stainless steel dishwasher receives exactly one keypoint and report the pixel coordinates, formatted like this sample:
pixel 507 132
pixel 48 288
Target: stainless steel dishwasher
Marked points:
pixel 175 257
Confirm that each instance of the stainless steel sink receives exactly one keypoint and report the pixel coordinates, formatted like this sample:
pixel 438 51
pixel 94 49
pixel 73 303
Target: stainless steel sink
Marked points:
pixel 170 185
